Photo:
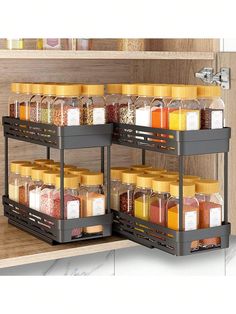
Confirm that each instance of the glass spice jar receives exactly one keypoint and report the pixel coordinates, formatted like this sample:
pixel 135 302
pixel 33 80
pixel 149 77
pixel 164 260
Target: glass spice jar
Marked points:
pixel 116 174
pixel 35 186
pixel 15 43
pixel 92 195
pixel 47 190
pixel 212 107
pixel 35 103
pixel 93 104
pixel 14 100
pixel 49 95
pixel 126 106
pixel 112 100
pixel 156 171
pixel 126 192
pixel 210 209
pixel 143 105
pixel 25 178
pixel 26 90
pixel 190 210
pixel 67 108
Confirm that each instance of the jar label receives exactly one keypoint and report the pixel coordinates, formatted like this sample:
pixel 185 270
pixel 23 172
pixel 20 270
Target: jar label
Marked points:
pixel 217 119
pixel 34 198
pixel 73 209
pixel 215 216
pixel 98 206
pixel 192 120
pixel 99 116
pixel 190 220
pixel 73 116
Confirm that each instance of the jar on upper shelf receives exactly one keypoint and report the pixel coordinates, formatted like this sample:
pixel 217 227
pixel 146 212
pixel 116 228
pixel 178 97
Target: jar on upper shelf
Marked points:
pixel 143 105
pixel 35 102
pixel 93 104
pixel 26 90
pixel 49 95
pixel 112 99
pixel 126 106
pixel 14 100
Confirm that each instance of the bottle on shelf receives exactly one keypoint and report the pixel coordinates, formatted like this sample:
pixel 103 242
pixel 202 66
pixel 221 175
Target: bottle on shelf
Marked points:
pixel 129 180
pixel 143 105
pixel 126 106
pixel 35 102
pixel 112 99
pixel 116 174
pixel 49 95
pixel 15 43
pixel 14 100
pixel 26 90
pixel 35 186
pixel 25 173
pixel 47 191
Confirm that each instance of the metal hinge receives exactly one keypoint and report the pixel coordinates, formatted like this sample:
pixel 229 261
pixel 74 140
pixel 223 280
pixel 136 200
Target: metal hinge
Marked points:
pixel 221 78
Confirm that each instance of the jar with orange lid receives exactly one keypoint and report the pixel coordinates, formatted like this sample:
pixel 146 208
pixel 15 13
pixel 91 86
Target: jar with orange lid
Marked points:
pixel 25 178
pixel 112 99
pixel 14 100
pixel 116 174
pixel 156 171
pixel 190 210
pixel 212 107
pixel 42 162
pixel 35 102
pixel 49 95
pixel 93 200
pixel 93 104
pixel 143 105
pixel 126 192
pixel 35 186
pixel 184 108
pixel 47 190
pixel 67 108
pixel 210 208
pixel 26 91
pixel 141 168
pixel 126 106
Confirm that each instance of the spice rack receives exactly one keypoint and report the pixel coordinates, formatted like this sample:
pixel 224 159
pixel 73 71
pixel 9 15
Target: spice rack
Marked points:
pixel 39 224
pixel 179 144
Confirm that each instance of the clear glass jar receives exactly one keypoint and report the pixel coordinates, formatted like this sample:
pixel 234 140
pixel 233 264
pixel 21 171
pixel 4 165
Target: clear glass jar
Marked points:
pixel 92 195
pixel 25 178
pixel 14 100
pixel 49 95
pixel 112 100
pixel 143 105
pixel 14 179
pixel 93 103
pixel 159 109
pixel 184 108
pixel 126 106
pixel 212 107
pixel 116 174
pixel 15 43
pixel 47 192
pixel 35 186
pixel 210 208
pixel 159 198
pixel 126 192
pixel 190 210
pixel 26 90
pixel 35 103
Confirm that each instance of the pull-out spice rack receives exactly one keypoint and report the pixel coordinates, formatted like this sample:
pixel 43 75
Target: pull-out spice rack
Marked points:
pixel 39 224
pixel 179 144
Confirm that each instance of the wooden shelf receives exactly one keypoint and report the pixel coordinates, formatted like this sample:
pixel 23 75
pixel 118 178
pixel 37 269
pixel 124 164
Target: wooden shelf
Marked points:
pixel 116 55
pixel 18 247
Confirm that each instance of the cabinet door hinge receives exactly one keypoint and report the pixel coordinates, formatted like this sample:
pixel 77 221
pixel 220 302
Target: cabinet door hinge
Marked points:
pixel 221 78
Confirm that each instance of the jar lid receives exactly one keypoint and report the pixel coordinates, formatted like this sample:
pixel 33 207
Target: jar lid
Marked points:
pixel 140 167
pixel 70 181
pixel 145 90
pixel 208 91
pixel 129 89
pixel 92 90
pixel 16 87
pixel 184 92
pixel 37 89
pixel 78 171
pixel 49 177
pixel 66 167
pixel 37 173
pixel 26 88
pixel 25 170
pixel 53 165
pixel 190 179
pixel 156 171
pixel 92 178
pixel 171 175
pixel 207 186
pixel 114 88
pixel 43 161
pixel 188 189
pixel 129 177
pixel 49 89
pixel 162 91
pixel 145 180
pixel 15 165
pixel 161 185
pixel 116 172
pixel 70 90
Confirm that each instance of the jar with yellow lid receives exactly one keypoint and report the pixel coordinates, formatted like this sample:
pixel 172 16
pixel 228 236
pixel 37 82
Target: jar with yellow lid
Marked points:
pixel 67 168
pixel 184 108
pixel 141 168
pixel 190 179
pixel 116 174
pixel 14 179
pixel 171 175
pixel 126 106
pixel 25 178
pixel 35 102
pixel 35 186
pixel 67 109
pixel 143 105
pixel 26 91
pixel 112 99
pixel 190 209
pixel 92 196
pixel 42 162
pixel 212 107
pixel 126 192
pixel 14 100
pixel 93 104
pixel 156 171
pixel 210 208
pixel 47 191
pixel 49 95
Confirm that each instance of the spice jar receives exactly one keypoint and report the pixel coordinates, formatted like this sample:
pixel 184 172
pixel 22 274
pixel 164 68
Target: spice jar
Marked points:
pixel 112 100
pixel 143 105
pixel 171 175
pixel 35 186
pixel 190 210
pixel 93 104
pixel 67 108
pixel 190 179
pixel 128 179
pixel 184 108
pixel 14 100
pixel 26 90
pixel 25 178
pixel 156 171
pixel 93 199
pixel 126 106
pixel 159 198
pixel 212 107
pixel 210 208
pixel 116 173
pixel 140 168
pixel 14 179
pixel 67 168
pixel 42 162
pixel 49 95
pixel 159 109
pixel 47 190
pixel 35 103
pixel 142 196
pixel 15 43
